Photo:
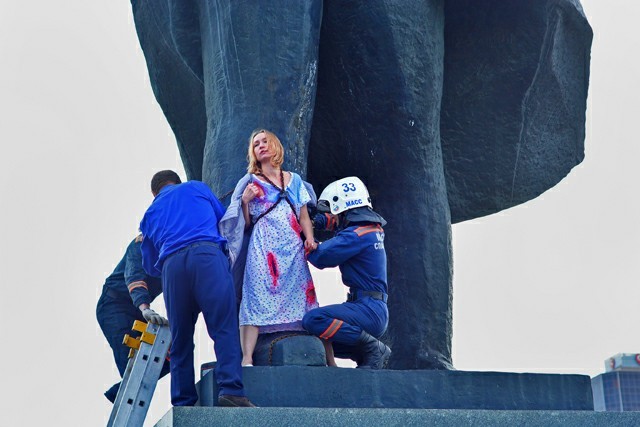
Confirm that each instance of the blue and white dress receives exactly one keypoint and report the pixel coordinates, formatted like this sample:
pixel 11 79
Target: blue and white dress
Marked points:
pixel 277 288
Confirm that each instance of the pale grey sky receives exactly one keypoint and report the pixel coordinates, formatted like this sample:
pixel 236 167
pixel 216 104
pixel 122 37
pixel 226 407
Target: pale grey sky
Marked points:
pixel 550 286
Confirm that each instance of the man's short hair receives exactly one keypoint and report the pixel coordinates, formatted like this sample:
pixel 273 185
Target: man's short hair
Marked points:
pixel 162 178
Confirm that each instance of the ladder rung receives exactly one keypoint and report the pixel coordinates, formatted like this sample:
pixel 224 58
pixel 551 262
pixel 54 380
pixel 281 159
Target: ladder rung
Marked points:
pixel 139 326
pixel 131 342
pixel 148 337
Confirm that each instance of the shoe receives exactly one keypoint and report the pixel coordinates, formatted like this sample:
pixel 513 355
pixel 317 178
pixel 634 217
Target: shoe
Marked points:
pixel 375 354
pixel 112 393
pixel 229 400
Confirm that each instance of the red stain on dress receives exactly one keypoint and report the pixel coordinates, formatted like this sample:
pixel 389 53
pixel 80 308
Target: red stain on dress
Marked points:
pixel 295 225
pixel 261 191
pixel 311 293
pixel 273 268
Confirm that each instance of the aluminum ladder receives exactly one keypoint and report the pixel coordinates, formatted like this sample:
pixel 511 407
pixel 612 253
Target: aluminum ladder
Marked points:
pixel 146 358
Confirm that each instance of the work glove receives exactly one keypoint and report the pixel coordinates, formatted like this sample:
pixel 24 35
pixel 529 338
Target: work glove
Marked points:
pixel 153 317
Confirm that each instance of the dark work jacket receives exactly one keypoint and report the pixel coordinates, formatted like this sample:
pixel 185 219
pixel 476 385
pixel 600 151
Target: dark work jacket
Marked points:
pixel 129 283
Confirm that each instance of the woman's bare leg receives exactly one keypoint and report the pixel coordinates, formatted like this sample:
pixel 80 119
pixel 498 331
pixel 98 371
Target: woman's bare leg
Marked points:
pixel 328 350
pixel 248 339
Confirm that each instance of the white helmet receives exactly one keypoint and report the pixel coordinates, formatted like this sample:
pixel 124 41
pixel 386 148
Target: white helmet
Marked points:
pixel 344 194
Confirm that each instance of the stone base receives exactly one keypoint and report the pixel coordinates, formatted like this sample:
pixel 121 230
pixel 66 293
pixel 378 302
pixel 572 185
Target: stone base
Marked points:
pixel 289 348
pixel 324 387
pixel 312 417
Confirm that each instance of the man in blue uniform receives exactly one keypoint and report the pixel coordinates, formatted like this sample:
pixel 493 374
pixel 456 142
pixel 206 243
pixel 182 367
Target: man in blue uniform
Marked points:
pixel 126 296
pixel 181 242
pixel 358 250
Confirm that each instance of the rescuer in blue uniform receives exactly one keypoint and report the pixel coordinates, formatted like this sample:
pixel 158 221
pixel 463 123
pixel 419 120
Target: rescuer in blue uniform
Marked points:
pixel 126 296
pixel 358 250
pixel 181 242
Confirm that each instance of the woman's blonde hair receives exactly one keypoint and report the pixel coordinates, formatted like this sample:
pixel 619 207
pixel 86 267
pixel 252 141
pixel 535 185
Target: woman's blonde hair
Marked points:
pixel 274 145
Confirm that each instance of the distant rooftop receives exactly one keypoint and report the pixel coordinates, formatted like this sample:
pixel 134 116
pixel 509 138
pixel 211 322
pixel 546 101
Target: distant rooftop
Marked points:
pixel 623 362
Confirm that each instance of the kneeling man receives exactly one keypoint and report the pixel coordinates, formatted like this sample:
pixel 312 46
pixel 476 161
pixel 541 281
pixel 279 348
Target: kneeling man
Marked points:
pixel 357 249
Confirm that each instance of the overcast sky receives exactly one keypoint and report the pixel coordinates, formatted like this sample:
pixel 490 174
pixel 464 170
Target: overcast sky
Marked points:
pixel 549 286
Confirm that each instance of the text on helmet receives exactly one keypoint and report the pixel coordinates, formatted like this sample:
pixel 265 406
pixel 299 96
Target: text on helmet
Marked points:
pixel 348 186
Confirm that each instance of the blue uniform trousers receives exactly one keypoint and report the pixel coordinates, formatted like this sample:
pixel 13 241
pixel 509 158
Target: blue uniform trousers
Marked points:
pixel 116 315
pixel 343 323
pixel 197 279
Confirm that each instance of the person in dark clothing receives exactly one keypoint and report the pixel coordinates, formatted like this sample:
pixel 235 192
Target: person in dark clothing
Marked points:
pixel 182 243
pixel 358 250
pixel 126 296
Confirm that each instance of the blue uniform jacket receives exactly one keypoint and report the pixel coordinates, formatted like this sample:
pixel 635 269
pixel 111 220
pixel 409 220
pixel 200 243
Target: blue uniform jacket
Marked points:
pixel 358 250
pixel 129 282
pixel 181 214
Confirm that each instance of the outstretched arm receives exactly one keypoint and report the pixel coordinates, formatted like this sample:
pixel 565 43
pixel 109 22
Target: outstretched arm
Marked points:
pixel 134 276
pixel 335 251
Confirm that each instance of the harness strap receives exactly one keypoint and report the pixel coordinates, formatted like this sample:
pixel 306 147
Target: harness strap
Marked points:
pixel 282 194
pixel 254 221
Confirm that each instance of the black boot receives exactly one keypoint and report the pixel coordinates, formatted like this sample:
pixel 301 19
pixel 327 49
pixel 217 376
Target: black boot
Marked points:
pixel 375 353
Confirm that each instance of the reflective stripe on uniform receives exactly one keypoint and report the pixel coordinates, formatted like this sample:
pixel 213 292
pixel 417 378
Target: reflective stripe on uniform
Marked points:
pixel 138 284
pixel 332 329
pixel 361 231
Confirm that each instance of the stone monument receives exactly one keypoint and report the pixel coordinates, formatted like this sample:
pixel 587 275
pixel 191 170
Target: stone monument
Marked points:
pixel 448 110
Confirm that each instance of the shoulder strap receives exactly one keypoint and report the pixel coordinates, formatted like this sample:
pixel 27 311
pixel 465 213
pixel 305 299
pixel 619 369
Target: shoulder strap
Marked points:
pixel 282 194
pixel 253 222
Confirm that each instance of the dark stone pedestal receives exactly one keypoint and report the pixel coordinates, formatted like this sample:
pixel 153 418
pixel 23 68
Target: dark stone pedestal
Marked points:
pixel 366 417
pixel 323 387
pixel 322 396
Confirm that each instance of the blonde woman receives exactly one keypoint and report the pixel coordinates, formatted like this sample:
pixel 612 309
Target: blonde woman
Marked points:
pixel 277 288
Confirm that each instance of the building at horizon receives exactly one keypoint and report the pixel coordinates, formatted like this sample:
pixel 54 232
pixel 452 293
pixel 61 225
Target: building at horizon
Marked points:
pixel 618 389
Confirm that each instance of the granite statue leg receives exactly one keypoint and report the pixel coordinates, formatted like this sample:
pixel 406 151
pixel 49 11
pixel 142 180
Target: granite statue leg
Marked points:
pixel 221 69
pixel 260 64
pixel 169 35
pixel 378 117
